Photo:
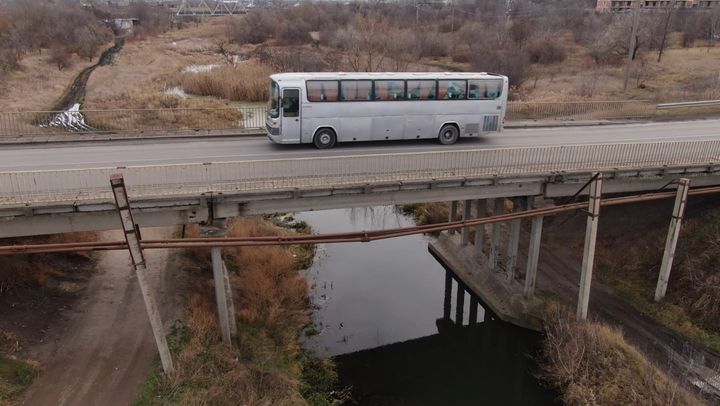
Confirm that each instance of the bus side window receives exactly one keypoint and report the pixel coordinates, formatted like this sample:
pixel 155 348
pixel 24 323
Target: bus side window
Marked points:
pixel 291 103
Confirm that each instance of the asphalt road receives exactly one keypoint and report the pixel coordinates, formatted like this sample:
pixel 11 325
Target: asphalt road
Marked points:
pixel 176 151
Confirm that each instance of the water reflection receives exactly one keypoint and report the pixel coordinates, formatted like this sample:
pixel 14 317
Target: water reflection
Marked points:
pixel 371 294
pixel 410 332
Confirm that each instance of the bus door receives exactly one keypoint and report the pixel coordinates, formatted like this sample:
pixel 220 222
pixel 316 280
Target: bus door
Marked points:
pixel 290 124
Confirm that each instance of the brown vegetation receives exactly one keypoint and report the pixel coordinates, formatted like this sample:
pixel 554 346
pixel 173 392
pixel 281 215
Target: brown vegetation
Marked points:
pixel 271 308
pixel 247 81
pixel 692 304
pixel 592 364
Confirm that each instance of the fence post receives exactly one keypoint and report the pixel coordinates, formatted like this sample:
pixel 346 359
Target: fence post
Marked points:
pixel 672 237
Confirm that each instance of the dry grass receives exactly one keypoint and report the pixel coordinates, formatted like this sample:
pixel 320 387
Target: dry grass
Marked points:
pixel 683 74
pixel 692 304
pixel 38 84
pixel 592 364
pixel 271 308
pixel 40 270
pixel 247 81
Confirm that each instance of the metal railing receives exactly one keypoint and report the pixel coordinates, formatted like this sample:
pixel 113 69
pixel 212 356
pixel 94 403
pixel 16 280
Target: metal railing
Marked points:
pixel 18 189
pixel 28 123
pixel 579 111
pixel 232 120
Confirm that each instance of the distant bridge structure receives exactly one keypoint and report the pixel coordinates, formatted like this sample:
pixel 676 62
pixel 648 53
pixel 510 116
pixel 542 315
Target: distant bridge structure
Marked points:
pixel 213 7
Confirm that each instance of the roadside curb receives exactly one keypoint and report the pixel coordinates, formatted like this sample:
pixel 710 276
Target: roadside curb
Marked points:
pixel 77 138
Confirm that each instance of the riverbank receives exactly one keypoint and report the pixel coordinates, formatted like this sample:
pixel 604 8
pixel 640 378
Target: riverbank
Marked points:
pixel 35 293
pixel 268 365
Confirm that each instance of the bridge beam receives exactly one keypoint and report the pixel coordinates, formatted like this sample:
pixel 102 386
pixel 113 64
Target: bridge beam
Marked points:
pixel 672 237
pixel 588 260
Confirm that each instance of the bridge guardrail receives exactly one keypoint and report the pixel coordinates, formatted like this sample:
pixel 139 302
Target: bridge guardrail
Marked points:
pixel 579 111
pixel 18 189
pixel 227 120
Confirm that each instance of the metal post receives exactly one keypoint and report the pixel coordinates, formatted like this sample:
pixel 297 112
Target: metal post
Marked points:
pixel 518 205
pixel 481 211
pixel 460 304
pixel 533 254
pixel 473 310
pixel 448 295
pixel 132 237
pixel 452 216
pixel 589 249
pixel 672 237
pixel 466 216
pixel 498 208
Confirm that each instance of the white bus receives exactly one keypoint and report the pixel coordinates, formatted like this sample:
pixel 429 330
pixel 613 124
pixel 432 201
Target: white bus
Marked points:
pixel 327 108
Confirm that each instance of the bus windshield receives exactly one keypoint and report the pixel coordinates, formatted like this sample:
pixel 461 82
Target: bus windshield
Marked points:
pixel 273 110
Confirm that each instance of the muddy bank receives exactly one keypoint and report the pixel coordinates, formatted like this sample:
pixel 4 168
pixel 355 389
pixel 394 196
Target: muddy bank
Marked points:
pixel 76 92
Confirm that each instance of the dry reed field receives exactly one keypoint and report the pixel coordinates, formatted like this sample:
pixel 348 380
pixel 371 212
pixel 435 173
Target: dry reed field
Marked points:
pixel 592 364
pixel 271 309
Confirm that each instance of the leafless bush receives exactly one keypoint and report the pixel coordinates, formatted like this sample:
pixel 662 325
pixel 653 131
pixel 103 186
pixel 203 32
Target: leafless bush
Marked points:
pixel 60 57
pixel 292 60
pixel 255 28
pixel 546 51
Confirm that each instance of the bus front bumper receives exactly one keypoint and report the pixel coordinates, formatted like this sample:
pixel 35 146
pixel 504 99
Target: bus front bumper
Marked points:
pixel 278 139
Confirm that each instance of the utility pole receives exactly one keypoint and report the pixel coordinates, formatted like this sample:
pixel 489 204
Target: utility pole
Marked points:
pixel 665 31
pixel 633 40
pixel 452 15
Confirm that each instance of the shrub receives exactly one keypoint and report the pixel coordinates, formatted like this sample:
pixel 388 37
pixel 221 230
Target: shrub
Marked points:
pixel 546 51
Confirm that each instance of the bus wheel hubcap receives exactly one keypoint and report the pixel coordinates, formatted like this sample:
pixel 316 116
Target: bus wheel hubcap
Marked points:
pixel 325 138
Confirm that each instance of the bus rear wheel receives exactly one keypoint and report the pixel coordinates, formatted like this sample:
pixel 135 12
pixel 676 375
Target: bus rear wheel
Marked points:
pixel 324 138
pixel 449 134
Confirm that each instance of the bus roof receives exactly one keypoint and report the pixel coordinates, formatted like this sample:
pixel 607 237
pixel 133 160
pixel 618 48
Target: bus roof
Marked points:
pixel 302 76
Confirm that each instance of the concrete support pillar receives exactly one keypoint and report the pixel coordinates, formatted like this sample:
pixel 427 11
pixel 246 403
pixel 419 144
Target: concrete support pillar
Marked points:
pixel 672 237
pixel 452 215
pixel 232 316
pixel 132 237
pixel 459 304
pixel 514 241
pixel 589 249
pixel 448 295
pixel 533 254
pixel 498 208
pixel 223 293
pixel 466 216
pixel 480 211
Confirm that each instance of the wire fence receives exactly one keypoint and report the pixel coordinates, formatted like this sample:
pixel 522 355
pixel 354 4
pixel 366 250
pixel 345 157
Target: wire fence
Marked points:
pixel 252 119
pixel 84 186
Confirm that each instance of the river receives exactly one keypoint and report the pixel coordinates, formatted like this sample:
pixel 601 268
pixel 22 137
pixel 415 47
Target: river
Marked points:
pixel 378 313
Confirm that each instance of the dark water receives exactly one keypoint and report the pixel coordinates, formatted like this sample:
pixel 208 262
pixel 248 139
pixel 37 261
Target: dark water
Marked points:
pixel 379 310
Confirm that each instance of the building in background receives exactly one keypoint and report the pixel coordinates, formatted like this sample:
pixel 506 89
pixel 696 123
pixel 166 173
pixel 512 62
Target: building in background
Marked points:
pixel 623 5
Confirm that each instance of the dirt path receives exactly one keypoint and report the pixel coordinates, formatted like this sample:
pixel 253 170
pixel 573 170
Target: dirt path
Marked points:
pixel 106 350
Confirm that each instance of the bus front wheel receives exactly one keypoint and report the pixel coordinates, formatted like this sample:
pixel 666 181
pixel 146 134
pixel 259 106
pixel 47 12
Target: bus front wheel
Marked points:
pixel 449 134
pixel 324 138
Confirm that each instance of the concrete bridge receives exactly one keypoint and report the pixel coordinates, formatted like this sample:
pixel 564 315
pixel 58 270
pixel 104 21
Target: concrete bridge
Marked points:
pixel 67 188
